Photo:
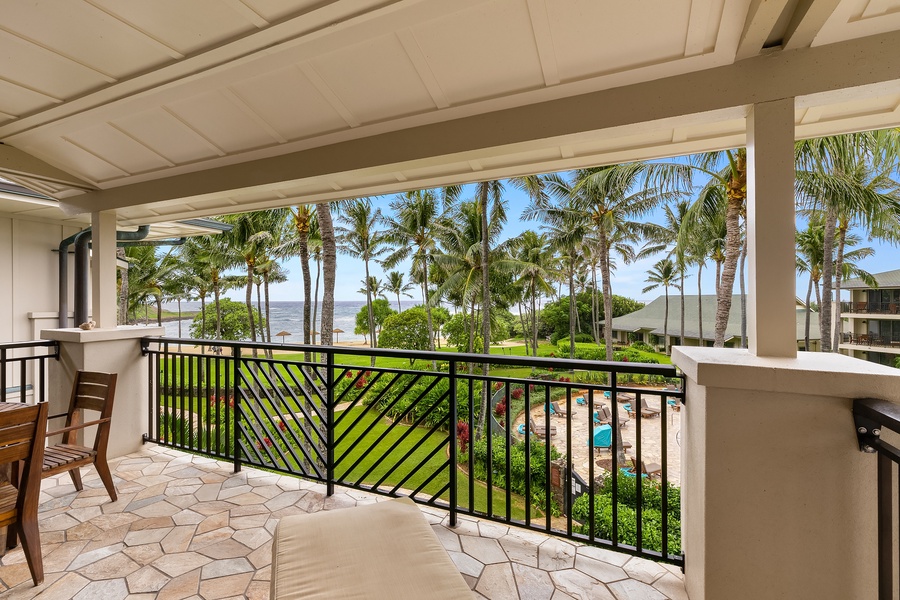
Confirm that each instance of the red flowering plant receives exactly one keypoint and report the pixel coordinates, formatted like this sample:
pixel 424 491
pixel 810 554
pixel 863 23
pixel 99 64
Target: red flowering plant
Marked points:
pixel 498 386
pixel 463 436
pixel 500 408
pixel 519 392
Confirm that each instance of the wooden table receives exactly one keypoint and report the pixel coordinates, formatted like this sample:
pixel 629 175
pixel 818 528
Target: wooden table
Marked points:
pixel 6 471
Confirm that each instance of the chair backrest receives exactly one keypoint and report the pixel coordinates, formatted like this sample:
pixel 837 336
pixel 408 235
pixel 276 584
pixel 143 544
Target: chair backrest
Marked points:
pixel 23 428
pixel 91 391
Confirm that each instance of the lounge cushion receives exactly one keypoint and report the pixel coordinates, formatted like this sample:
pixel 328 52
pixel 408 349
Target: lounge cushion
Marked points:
pixel 378 551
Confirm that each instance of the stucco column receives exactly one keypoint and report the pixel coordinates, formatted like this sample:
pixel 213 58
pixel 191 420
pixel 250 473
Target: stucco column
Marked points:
pixel 771 266
pixel 103 268
pixel 116 350
pixel 777 500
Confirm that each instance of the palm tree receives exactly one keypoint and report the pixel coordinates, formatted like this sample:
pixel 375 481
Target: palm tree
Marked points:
pixel 358 237
pixel 413 231
pixel 668 237
pixel 303 215
pixel 810 256
pixel 724 193
pixel 664 273
pixel 377 287
pixel 252 240
pixel 615 199
pixel 849 179
pixel 397 286
pixel 536 267
pixel 567 229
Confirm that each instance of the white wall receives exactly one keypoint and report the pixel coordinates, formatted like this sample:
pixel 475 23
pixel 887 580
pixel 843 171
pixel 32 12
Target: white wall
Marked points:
pixel 28 273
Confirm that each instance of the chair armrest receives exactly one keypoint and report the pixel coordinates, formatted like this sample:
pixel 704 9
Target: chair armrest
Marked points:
pixel 77 427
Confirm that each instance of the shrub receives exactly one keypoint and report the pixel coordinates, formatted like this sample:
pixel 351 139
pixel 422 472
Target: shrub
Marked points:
pixel 641 346
pixel 651 513
pixel 500 408
pixel 463 436
pixel 518 475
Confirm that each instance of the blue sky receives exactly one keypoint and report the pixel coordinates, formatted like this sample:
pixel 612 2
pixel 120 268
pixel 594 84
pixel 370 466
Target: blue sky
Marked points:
pixel 628 280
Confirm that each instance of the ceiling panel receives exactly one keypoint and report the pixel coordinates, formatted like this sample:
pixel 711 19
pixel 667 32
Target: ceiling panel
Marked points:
pixel 290 103
pixel 85 33
pixel 272 10
pixel 206 113
pixel 375 80
pixel 77 160
pixel 593 37
pixel 483 51
pixel 39 69
pixel 16 100
pixel 186 26
pixel 859 18
pixel 167 136
pixel 115 146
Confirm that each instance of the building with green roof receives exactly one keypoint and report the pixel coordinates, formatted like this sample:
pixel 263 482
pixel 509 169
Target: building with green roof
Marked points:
pixel 647 324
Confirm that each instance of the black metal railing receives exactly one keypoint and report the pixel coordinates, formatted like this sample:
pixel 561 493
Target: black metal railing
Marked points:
pixel 873 417
pixel 23 370
pixel 408 426
pixel 874 308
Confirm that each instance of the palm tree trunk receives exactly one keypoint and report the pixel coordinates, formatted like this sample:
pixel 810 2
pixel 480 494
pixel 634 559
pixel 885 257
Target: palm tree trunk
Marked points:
pixel 729 269
pixel 534 319
pixel 329 260
pixel 827 278
pixel 217 293
pixel 700 304
pixel 316 301
pixel 572 311
pixel 838 279
pixel 595 310
pixel 123 290
pixel 159 311
pixel 743 298
pixel 427 304
pixel 522 318
pixel 808 314
pixel 666 323
pixel 681 290
pixel 259 310
pixel 718 277
pixel 485 302
pixel 371 313
pixel 202 322
pixel 269 352
pixel 303 251
pixel 249 301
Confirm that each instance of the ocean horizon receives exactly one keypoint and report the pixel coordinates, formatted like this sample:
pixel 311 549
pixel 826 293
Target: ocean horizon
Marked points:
pixel 287 315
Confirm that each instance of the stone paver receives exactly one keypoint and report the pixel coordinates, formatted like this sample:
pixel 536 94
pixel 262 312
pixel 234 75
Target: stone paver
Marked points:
pixel 186 527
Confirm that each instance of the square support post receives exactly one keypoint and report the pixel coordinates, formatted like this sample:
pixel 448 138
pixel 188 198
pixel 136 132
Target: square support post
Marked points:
pixel 103 269
pixel 771 303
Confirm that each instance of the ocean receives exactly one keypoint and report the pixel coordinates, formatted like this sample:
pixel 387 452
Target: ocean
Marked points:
pixel 288 316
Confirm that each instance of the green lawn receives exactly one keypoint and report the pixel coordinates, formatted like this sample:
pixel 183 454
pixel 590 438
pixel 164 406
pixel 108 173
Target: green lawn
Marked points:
pixel 408 469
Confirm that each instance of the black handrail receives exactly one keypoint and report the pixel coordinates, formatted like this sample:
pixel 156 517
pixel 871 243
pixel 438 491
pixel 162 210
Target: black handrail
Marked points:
pixel 17 365
pixel 402 431
pixel 873 416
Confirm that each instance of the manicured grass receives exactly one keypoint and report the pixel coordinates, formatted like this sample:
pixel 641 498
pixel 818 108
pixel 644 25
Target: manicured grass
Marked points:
pixel 364 448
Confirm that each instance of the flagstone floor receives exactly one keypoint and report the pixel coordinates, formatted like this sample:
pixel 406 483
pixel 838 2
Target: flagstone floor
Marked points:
pixel 186 527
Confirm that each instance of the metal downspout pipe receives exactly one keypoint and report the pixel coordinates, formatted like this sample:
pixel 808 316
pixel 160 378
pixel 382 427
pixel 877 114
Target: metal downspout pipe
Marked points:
pixel 64 280
pixel 82 270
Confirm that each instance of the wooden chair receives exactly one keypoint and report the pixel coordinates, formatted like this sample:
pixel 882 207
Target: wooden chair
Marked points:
pixel 91 391
pixel 22 435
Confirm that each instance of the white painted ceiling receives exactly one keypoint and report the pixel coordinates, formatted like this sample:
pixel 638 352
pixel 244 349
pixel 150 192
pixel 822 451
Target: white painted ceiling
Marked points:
pixel 121 93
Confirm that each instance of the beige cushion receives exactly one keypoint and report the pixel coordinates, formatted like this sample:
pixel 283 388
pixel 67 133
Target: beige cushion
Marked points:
pixel 377 551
